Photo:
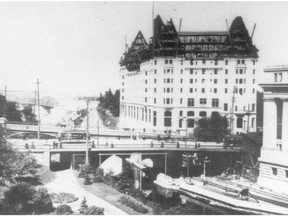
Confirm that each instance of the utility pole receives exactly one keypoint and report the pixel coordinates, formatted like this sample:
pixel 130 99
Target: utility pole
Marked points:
pixel 87 133
pixel 34 108
pixel 98 132
pixel 232 111
pixel 38 100
pixel 4 102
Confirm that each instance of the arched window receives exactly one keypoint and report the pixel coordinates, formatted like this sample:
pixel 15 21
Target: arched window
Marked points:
pixel 190 123
pixel 167 118
pixel 203 114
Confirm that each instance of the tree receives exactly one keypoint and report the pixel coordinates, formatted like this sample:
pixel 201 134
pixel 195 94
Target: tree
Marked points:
pixel 13 164
pixel 212 129
pixel 10 110
pixel 110 102
pixel 28 114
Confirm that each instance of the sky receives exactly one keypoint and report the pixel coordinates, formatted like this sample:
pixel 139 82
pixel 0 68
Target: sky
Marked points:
pixel 74 48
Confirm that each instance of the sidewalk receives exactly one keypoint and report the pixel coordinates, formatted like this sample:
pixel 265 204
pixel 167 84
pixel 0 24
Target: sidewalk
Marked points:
pixel 65 181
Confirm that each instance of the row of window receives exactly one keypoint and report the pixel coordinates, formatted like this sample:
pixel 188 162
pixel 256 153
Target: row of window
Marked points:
pixel 239 61
pixel 170 71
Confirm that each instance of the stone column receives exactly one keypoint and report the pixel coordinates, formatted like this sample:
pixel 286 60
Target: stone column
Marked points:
pixel 46 156
pixel 285 126
pixel 269 123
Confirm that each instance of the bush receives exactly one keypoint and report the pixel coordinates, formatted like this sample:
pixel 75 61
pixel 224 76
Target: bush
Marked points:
pixel 87 180
pixel 84 170
pixel 42 202
pixel 23 198
pixel 93 210
pixel 64 210
pixel 133 204
pixel 63 197
pixel 17 198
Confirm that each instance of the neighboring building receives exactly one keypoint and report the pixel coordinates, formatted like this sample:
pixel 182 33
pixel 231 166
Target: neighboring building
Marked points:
pixel 179 77
pixel 251 148
pixel 274 152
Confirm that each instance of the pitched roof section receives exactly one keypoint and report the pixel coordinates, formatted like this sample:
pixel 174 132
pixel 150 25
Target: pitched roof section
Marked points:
pixel 167 42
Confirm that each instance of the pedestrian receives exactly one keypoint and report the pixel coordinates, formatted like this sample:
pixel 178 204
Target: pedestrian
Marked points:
pixel 53 144
pixel 60 146
pixel 32 145
pixel 112 145
pixel 198 145
pixel 151 144
pixel 93 145
pixel 106 145
pixel 26 146
pixel 162 144
pixel 195 144
pixel 178 145
pixel 56 145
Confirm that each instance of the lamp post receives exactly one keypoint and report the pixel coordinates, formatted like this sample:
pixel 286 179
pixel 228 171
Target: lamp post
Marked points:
pixel 205 161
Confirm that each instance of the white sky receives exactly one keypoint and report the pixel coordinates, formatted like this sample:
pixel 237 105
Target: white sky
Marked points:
pixel 74 48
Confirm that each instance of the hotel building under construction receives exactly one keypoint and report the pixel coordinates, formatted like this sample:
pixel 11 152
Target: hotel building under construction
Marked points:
pixel 179 77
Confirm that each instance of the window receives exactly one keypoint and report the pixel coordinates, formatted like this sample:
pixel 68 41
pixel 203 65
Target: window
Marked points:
pixel 155 62
pixel 181 71
pixel 181 80
pixel 170 61
pixel 191 62
pixel 236 71
pixel 155 80
pixel 253 90
pixel 168 90
pixel 167 118
pixel 215 71
pixel 155 71
pixel 191 80
pixel 243 61
pixel 166 61
pixel 181 90
pixel 203 71
pixel 203 81
pixel 145 89
pixel 238 61
pixel 226 62
pixel 241 71
pixel 146 81
pixel 239 122
pixel 181 100
pixel 180 122
pixel 203 114
pixel 146 73
pixel 191 90
pixel 226 71
pixel 154 118
pixel 215 102
pixel 254 70
pixel 190 113
pixel 203 90
pixel 191 70
pixel 240 81
pixel 203 100
pixel 145 99
pixel 236 81
pixel 215 81
pixel 155 90
pixel 203 61
pixel 167 100
pixel 253 81
pixel 155 100
pixel 253 107
pixel 226 90
pixel 190 102
pixel 215 90
pixel 216 62
pixel 225 107
pixel 226 81
pixel 274 171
